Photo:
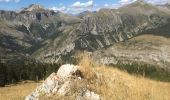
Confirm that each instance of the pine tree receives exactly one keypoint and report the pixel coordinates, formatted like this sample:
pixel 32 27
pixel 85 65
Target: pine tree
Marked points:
pixel 2 74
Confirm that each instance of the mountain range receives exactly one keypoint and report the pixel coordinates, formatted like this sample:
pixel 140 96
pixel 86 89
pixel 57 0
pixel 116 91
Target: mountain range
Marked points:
pixel 138 32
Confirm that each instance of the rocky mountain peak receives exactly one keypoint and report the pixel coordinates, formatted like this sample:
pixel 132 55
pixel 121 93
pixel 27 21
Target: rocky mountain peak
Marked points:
pixel 139 2
pixel 34 7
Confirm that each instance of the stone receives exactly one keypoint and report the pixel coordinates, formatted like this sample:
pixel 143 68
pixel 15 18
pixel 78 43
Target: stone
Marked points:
pixel 32 96
pixel 91 95
pixel 65 88
pixel 50 85
pixel 63 82
pixel 66 71
pixel 88 95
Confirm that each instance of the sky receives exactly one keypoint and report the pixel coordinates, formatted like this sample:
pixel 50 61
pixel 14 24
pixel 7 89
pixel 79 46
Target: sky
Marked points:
pixel 70 6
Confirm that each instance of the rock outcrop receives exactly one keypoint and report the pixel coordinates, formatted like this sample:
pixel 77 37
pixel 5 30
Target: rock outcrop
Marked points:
pixel 33 7
pixel 63 83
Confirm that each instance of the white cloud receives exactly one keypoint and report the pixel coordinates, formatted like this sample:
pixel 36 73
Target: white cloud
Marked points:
pixel 78 4
pixel 110 6
pixel 123 2
pixel 10 1
pixel 158 1
pixel 76 7
pixel 79 7
pixel 71 10
pixel 106 5
pixel 62 9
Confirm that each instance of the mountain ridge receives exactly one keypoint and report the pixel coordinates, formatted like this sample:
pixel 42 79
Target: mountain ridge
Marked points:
pixel 54 35
pixel 96 31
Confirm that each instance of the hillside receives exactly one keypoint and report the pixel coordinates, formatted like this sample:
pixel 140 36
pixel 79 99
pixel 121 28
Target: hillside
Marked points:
pixel 106 54
pixel 145 49
pixel 109 83
pixel 22 33
pixel 106 28
pixel 52 37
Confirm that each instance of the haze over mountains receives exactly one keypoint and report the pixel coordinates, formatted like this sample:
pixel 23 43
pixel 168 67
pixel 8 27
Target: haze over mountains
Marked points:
pixel 138 32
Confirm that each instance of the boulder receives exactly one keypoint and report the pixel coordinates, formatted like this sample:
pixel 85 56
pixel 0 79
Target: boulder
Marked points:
pixel 62 83
pixel 50 85
pixel 88 95
pixel 67 71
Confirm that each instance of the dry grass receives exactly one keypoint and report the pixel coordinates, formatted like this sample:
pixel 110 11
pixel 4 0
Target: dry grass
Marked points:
pixel 110 83
pixel 17 92
pixel 113 84
pixel 120 85
pixel 86 67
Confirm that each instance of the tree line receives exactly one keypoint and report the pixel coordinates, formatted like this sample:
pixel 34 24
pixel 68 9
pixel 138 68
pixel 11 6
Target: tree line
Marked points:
pixel 146 70
pixel 13 73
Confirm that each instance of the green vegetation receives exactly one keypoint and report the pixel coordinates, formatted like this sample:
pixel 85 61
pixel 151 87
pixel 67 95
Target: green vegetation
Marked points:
pixel 12 73
pixel 146 70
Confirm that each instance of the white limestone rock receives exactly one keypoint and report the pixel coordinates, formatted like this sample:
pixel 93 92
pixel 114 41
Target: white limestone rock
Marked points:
pixel 88 95
pixel 66 71
pixel 63 82
pixel 91 95
pixel 65 88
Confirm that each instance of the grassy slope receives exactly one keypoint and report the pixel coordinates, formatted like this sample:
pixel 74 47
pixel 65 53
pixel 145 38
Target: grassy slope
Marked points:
pixel 17 92
pixel 119 85
pixel 111 84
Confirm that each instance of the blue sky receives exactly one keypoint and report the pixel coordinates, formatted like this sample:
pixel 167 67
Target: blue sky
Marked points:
pixel 70 6
pixel 14 4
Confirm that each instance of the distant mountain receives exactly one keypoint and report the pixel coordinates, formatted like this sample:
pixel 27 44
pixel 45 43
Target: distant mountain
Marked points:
pixel 85 13
pixel 105 28
pixel 51 37
pixel 24 32
pixel 33 7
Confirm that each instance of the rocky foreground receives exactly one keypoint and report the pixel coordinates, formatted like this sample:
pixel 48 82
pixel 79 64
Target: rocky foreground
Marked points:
pixel 65 82
pixel 89 81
